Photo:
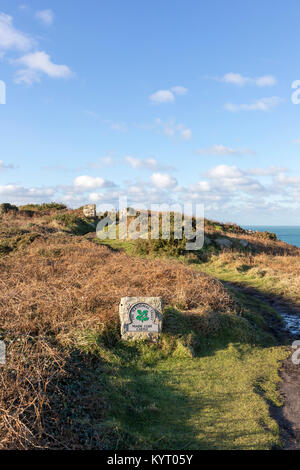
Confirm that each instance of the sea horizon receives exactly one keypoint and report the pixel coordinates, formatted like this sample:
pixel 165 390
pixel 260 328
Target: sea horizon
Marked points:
pixel 286 233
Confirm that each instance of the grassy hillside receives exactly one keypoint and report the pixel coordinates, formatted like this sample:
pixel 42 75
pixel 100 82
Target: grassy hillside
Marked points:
pixel 70 382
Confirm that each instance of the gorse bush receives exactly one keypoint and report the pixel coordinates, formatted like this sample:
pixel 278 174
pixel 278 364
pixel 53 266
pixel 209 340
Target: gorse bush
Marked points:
pixel 17 242
pixel 172 248
pixel 74 223
pixel 6 208
pixel 51 206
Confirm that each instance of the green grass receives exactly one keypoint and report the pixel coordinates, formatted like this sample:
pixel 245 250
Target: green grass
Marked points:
pixel 245 275
pixel 193 390
pixel 123 245
pixel 219 400
pixel 215 395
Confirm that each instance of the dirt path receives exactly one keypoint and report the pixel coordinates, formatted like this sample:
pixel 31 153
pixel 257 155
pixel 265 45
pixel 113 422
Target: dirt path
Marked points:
pixel 288 416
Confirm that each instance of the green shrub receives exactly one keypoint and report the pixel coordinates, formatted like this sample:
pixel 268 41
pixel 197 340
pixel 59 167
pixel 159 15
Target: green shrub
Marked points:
pixel 44 207
pixel 18 242
pixel 266 235
pixel 6 207
pixel 172 247
pixel 73 223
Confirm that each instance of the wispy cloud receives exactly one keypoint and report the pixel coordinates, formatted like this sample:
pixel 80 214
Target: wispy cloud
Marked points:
pixel 10 37
pixel 102 162
pixel 167 96
pixel 92 114
pixel 118 126
pixel 270 171
pixel 45 16
pixel 263 104
pixel 240 80
pixel 222 150
pixel 146 163
pixel 38 63
pixel 139 163
pixel 171 129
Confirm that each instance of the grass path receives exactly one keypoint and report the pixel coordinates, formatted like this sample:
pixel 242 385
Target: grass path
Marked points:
pixel 217 401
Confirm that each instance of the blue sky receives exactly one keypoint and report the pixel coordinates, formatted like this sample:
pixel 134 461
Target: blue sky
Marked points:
pixel 161 101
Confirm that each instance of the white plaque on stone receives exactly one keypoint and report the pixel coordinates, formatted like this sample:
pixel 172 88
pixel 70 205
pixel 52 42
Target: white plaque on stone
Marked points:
pixel 141 317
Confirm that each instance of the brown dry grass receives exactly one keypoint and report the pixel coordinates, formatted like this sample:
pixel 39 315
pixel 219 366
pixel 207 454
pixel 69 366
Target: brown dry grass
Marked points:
pixel 53 287
pixel 50 291
pixel 62 284
pixel 273 273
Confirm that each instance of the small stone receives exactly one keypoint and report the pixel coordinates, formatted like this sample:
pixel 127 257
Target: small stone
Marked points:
pixel 141 317
pixel 244 243
pixel 89 211
pixel 223 242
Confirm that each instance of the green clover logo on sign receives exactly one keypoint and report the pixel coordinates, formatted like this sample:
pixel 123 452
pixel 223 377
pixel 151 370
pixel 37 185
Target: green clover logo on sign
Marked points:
pixel 142 315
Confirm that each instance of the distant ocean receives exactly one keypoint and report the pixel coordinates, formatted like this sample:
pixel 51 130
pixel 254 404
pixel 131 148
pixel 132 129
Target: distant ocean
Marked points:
pixel 286 233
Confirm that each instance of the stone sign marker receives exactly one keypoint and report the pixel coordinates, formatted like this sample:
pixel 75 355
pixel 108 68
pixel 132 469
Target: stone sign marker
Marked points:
pixel 141 317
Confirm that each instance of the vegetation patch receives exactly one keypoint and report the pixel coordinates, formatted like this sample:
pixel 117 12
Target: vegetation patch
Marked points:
pixel 74 224
pixel 207 383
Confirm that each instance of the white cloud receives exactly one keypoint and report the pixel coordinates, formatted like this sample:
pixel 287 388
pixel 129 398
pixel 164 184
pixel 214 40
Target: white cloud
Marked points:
pixel 231 178
pixel 264 104
pixel 202 186
pixel 240 80
pixel 94 197
pixel 167 96
pixel 271 171
pixel 101 162
pixel 27 76
pixel 85 183
pixel 224 171
pixel 148 163
pixel 162 96
pixel 284 180
pixel 179 90
pixel 106 160
pixel 267 80
pixel 36 63
pixel 186 134
pixel 222 150
pixel 225 190
pixel 39 62
pixel 163 180
pixel 45 16
pixel 10 37
pixel 15 191
pixel 171 129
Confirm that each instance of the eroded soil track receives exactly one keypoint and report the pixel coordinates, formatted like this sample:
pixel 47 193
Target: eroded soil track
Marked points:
pixel 288 416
